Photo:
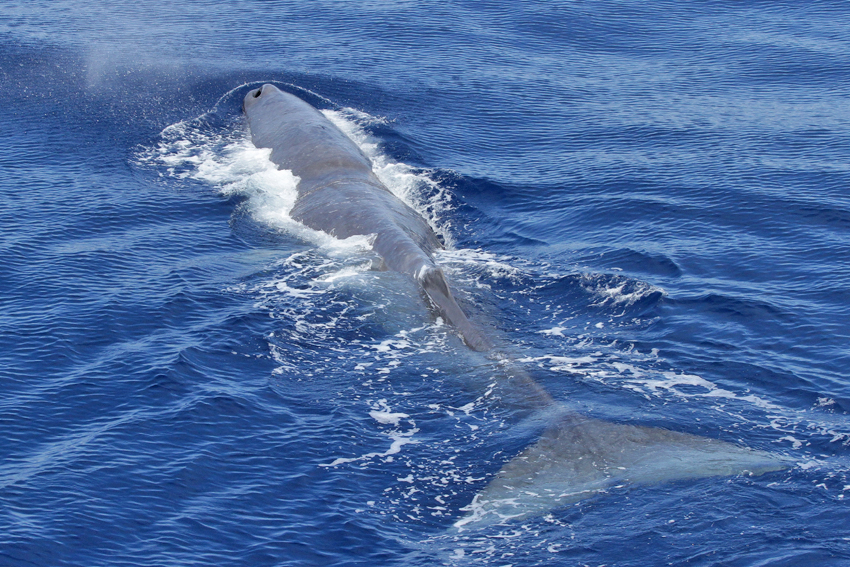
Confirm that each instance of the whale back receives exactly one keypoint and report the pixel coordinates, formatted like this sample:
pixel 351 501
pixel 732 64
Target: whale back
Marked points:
pixel 339 194
pixel 303 140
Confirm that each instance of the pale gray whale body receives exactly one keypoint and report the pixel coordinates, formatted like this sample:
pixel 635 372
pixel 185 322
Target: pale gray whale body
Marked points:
pixel 339 194
pixel 576 456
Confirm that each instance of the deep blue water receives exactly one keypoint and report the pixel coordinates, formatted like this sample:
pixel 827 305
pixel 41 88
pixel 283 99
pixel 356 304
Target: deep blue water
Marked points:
pixel 650 202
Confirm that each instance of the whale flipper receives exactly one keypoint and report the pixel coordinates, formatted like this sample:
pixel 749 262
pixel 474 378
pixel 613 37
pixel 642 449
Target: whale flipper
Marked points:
pixel 580 456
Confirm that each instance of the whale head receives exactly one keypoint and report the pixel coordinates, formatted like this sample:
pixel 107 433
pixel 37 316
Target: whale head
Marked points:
pixel 257 95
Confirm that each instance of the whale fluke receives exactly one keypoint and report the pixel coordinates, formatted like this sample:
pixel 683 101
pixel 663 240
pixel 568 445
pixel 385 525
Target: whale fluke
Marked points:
pixel 580 456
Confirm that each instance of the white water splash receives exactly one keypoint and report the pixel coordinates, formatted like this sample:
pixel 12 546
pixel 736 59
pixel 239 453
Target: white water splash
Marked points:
pixel 414 187
pixel 228 161
pixel 383 414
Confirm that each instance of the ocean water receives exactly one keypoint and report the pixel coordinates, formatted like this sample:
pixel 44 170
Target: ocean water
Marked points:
pixel 648 202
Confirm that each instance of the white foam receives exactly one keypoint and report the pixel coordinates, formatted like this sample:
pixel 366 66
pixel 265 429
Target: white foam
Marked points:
pixel 617 290
pixel 387 418
pixel 346 272
pixel 795 443
pixel 492 265
pixel 383 414
pixel 554 331
pixel 229 162
pixel 398 441
pixel 413 186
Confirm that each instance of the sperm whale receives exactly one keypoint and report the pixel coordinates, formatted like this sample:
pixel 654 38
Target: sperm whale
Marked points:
pixel 576 456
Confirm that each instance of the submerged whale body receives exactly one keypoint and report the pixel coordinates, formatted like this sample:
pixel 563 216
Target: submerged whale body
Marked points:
pixel 576 456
